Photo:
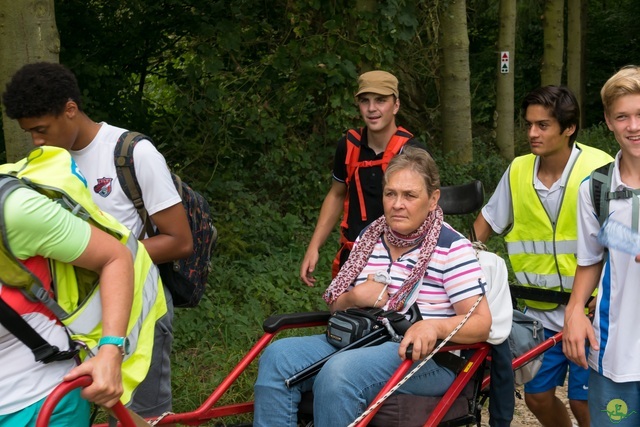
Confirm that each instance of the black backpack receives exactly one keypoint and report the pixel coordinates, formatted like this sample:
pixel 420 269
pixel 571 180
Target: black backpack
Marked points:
pixel 185 278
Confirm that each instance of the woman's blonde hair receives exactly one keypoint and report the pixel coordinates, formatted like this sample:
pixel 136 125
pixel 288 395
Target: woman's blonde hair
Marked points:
pixel 418 160
pixel 624 82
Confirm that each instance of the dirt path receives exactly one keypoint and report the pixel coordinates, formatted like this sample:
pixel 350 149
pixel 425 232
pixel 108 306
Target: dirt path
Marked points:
pixel 522 417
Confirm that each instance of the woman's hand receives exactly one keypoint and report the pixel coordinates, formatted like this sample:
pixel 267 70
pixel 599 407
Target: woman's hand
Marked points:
pixel 366 294
pixel 423 336
pixel 371 293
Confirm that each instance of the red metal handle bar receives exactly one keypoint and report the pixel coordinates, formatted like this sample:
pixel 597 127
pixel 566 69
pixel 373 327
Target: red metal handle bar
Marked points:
pixel 395 379
pixel 481 352
pixel 63 389
pixel 528 356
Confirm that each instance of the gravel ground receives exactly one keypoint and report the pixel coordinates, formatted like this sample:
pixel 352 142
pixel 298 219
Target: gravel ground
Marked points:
pixel 522 417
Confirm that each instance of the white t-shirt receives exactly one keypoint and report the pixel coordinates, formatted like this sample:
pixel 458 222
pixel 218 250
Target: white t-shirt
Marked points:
pixel 498 296
pixel 499 214
pixel 617 313
pixel 96 161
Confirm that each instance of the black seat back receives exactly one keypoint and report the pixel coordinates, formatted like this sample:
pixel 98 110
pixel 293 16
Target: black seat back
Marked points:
pixel 464 199
pixel 461 199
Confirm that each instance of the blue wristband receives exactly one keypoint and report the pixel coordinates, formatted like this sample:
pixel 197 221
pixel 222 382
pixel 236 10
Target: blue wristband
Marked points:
pixel 121 342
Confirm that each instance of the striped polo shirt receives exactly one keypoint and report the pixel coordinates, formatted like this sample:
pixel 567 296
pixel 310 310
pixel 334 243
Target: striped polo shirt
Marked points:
pixel 453 274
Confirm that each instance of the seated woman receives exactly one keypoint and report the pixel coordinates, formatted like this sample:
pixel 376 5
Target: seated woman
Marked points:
pixel 429 263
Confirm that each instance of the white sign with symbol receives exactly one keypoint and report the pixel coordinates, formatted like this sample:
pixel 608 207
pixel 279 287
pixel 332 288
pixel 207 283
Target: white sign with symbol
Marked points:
pixel 504 62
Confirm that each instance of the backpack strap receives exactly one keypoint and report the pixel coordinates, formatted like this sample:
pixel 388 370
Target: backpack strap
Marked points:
pixel 41 349
pixel 126 172
pixel 601 194
pixel 397 141
pixel 16 274
pixel 353 152
pixel 395 146
pixel 351 162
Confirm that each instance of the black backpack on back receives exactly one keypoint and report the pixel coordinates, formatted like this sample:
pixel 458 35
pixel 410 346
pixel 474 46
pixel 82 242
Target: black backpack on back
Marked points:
pixel 185 278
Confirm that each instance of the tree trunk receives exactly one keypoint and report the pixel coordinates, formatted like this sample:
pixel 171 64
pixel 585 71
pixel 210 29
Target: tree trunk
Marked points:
pixel 576 40
pixel 455 93
pixel 28 34
pixel 505 97
pixel 553 25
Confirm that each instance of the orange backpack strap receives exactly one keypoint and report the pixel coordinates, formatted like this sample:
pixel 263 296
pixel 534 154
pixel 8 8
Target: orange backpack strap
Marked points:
pixel 351 163
pixel 397 141
pixel 353 152
pixel 395 145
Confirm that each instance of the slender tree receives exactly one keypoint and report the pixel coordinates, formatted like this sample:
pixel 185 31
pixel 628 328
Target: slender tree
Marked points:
pixel 505 93
pixel 553 24
pixel 28 33
pixel 576 41
pixel 455 93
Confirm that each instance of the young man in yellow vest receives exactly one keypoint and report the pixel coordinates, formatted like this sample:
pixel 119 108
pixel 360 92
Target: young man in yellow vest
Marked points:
pixel 536 204
pixel 50 262
pixel 360 160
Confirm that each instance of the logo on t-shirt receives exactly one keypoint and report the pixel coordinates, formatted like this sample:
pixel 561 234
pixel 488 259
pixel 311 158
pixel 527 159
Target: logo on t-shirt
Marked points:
pixel 103 187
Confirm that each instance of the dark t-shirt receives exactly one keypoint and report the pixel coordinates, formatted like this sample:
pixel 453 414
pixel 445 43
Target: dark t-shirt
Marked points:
pixel 370 181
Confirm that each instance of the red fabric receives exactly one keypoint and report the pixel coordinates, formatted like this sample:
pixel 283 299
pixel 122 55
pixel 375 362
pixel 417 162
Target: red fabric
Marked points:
pixel 17 300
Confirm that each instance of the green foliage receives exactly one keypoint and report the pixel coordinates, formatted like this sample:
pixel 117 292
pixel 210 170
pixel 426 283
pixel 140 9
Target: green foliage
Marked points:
pixel 601 137
pixel 246 100
pixel 242 292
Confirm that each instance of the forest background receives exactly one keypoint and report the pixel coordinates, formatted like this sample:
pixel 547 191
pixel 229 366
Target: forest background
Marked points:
pixel 247 99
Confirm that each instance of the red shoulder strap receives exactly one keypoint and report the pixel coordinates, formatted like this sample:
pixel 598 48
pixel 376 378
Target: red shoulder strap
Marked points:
pixel 395 145
pixel 353 152
pixel 397 141
pixel 351 163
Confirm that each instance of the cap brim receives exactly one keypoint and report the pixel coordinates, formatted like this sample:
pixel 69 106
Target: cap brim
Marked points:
pixel 376 90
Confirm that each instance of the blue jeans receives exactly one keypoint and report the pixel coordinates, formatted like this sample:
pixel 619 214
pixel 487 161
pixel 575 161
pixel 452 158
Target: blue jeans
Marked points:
pixel 342 389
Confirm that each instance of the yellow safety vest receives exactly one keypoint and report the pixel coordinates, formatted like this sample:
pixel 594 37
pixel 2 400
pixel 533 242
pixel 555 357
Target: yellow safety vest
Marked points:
pixel 543 254
pixel 52 172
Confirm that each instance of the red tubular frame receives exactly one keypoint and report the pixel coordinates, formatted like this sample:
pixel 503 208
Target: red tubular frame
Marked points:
pixel 529 355
pixel 61 390
pixel 443 406
pixel 206 411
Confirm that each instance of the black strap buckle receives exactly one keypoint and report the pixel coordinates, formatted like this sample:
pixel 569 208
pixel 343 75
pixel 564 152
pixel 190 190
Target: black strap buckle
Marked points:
pixel 51 353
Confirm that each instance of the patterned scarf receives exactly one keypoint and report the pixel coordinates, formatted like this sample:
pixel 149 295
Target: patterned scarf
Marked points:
pixel 427 233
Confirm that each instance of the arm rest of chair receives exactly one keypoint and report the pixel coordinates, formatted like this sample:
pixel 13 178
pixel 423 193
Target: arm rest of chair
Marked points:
pixel 283 321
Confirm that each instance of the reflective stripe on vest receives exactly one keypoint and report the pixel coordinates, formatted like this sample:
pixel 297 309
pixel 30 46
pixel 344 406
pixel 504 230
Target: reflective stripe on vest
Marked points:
pixel 543 254
pixel 52 172
pixel 540 247
pixel 551 281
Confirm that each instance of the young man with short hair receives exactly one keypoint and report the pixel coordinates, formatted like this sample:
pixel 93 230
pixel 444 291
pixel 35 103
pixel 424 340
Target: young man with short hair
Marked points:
pixel 45 99
pixel 359 163
pixel 614 337
pixel 535 203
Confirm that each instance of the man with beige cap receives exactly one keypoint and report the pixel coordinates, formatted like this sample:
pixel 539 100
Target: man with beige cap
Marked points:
pixel 361 157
